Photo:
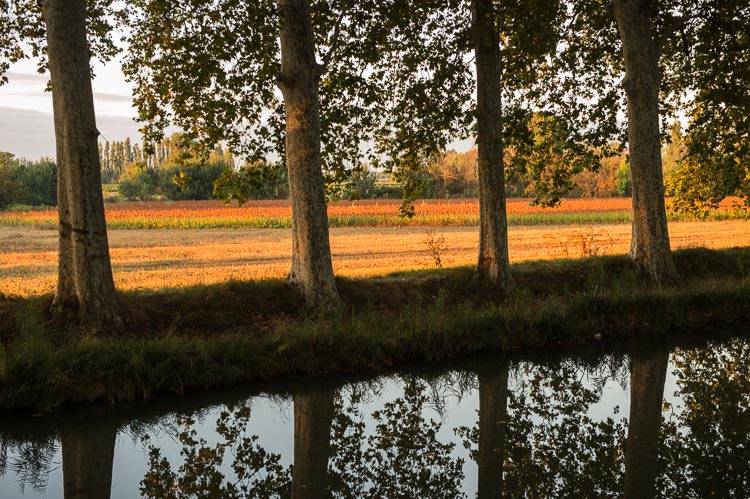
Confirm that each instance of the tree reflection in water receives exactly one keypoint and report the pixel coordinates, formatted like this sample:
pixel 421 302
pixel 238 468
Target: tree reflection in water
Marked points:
pixel 705 451
pixel 551 445
pixel 258 473
pixel 88 453
pixel 539 433
pixel 313 412
pixel 648 371
pixel 402 457
pixel 493 421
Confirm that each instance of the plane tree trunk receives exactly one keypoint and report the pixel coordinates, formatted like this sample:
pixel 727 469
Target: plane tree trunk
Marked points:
pixel 492 265
pixel 493 422
pixel 313 414
pixel 88 455
pixel 650 249
pixel 298 80
pixel 85 287
pixel 647 376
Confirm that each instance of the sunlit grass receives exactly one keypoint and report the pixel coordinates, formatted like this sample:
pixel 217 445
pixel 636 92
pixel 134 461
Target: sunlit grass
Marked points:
pixel 157 259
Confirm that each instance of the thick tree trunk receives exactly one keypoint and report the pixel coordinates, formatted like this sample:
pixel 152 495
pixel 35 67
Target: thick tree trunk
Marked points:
pixel 313 413
pixel 647 376
pixel 493 265
pixel 299 79
pixel 88 454
pixel 85 288
pixel 650 239
pixel 493 415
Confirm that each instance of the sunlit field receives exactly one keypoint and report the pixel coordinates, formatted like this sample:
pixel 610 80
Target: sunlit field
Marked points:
pixel 154 259
pixel 368 213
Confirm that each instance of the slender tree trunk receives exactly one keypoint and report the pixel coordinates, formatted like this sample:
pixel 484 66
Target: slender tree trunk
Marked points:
pixel 492 265
pixel 88 454
pixel 647 376
pixel 493 415
pixel 313 413
pixel 299 79
pixel 650 239
pixel 85 288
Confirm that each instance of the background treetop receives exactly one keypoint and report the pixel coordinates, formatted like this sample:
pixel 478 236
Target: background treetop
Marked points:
pixel 23 33
pixel 212 71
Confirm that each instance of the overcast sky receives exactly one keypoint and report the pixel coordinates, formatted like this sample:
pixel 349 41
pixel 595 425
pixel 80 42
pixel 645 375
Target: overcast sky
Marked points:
pixel 26 127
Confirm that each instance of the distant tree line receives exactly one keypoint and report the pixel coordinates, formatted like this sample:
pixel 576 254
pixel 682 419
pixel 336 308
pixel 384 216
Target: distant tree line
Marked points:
pixel 177 169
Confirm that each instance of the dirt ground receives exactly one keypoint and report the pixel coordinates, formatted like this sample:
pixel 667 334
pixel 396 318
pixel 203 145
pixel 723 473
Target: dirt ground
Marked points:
pixel 151 259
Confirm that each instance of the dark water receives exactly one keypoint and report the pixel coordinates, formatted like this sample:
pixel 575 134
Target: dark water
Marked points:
pixel 660 419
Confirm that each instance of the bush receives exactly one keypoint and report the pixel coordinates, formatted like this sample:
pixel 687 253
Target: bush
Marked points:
pixel 32 183
pixel 189 181
pixel 255 180
pixel 137 182
pixel 361 185
pixel 624 182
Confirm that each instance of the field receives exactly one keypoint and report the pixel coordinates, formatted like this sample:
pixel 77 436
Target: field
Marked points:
pixel 370 213
pixel 154 259
pixel 181 338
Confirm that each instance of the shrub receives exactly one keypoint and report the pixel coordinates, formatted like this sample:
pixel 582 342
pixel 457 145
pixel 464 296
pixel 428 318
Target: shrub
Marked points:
pixel 137 182
pixel 189 181
pixel 361 185
pixel 254 180
pixel 24 182
pixel 624 183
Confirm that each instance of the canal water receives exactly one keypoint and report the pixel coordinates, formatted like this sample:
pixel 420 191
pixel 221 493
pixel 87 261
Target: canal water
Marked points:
pixel 652 418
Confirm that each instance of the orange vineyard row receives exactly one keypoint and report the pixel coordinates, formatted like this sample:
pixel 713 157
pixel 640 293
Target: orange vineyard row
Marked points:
pixel 268 214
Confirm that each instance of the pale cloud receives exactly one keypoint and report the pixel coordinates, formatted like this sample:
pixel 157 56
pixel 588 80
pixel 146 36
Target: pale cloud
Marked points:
pixel 31 134
pixel 16 77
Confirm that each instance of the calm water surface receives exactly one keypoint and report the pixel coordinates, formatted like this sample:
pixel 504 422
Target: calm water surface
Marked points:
pixel 654 419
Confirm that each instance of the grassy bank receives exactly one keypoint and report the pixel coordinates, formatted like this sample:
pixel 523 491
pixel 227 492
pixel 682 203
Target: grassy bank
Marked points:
pixel 241 331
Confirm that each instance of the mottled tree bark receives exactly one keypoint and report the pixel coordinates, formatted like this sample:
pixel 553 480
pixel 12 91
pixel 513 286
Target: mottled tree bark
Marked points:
pixel 493 264
pixel 493 415
pixel 313 413
pixel 88 454
pixel 85 288
pixel 299 79
pixel 647 376
pixel 650 239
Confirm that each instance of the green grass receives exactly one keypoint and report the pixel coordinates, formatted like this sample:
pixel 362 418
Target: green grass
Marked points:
pixel 247 331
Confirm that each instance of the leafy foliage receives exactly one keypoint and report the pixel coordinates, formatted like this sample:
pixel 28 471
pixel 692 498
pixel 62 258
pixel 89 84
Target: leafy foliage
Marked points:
pixel 706 444
pixel 254 180
pixel 258 473
pixel 25 182
pixel 548 158
pixel 23 32
pixel 405 457
pixel 555 448
pixel 211 68
pixel 713 67
pixel 186 172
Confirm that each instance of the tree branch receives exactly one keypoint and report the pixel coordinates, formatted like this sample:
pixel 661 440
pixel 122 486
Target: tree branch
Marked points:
pixel 334 41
